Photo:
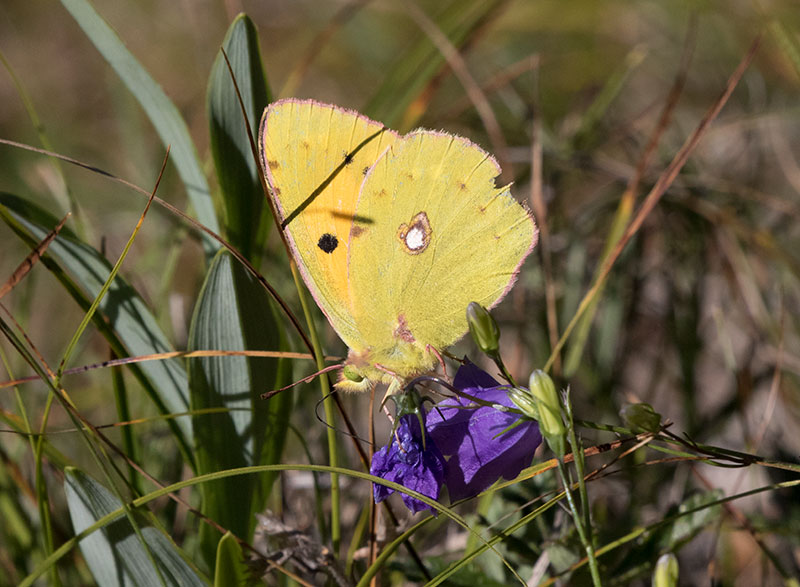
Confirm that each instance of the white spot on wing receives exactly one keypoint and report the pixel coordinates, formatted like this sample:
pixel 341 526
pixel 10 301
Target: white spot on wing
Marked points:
pixel 415 238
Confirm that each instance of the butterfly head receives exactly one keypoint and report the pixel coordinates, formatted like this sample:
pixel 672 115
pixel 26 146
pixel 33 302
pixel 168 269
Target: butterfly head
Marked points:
pixel 391 366
pixel 352 379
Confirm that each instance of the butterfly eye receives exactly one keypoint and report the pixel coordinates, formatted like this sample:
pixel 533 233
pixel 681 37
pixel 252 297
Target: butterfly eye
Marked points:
pixel 328 242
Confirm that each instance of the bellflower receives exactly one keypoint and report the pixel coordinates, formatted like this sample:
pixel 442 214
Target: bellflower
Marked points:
pixel 410 461
pixel 480 446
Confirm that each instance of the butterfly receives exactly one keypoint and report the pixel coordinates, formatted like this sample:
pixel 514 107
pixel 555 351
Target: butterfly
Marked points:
pixel 393 234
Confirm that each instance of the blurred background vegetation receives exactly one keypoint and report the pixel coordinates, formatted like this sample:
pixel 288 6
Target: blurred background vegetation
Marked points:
pixel 699 316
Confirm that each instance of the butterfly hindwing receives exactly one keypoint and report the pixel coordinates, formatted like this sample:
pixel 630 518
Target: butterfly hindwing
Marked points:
pixel 432 233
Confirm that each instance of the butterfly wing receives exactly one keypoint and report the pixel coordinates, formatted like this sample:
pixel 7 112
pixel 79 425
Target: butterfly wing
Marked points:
pixel 432 233
pixel 315 157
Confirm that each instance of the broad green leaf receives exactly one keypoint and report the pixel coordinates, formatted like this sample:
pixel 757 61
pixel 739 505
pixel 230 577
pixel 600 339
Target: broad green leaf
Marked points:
pixel 125 320
pixel 234 312
pixel 246 223
pixel 165 117
pixel 230 569
pixel 416 67
pixel 115 554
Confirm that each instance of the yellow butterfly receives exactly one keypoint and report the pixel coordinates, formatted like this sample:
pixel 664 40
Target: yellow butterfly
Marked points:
pixel 393 235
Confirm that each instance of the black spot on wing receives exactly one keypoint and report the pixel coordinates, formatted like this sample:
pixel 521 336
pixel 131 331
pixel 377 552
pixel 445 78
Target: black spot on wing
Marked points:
pixel 328 242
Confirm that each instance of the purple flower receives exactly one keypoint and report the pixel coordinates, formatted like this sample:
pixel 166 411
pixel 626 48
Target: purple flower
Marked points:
pixel 471 437
pixel 409 462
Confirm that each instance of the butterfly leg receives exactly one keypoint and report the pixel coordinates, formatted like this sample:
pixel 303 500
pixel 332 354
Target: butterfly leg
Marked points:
pixel 439 357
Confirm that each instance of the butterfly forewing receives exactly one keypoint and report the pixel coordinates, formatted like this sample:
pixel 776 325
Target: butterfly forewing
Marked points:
pixel 315 158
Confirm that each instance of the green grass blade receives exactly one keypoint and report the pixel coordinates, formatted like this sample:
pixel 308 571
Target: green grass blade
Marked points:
pixel 44 139
pixel 40 487
pixel 129 445
pixel 588 133
pixel 246 222
pixel 582 329
pixel 127 322
pixel 416 67
pixel 164 115
pixel 787 41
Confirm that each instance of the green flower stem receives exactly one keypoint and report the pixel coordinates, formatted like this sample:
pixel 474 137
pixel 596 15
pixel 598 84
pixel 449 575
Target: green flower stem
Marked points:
pixel 321 523
pixel 577 450
pixel 587 545
pixel 583 524
pixel 333 459
pixel 502 366
pixel 43 501
pixel 124 415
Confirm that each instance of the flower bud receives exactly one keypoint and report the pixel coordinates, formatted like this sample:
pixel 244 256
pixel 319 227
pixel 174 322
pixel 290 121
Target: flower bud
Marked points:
pixel 483 329
pixel 525 401
pixel 549 407
pixel 641 417
pixel 666 572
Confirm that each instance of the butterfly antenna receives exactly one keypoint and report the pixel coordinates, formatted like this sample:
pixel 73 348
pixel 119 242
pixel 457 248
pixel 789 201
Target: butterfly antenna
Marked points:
pixel 444 383
pixel 350 433
pixel 306 379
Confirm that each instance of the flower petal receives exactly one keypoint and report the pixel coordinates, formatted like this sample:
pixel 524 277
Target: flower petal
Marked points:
pixel 480 451
pixel 408 464
pixel 469 375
